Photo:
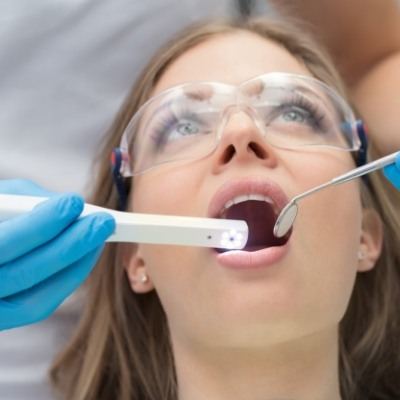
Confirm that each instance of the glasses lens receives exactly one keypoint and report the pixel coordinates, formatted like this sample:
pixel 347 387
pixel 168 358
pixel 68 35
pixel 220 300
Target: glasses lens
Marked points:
pixel 177 125
pixel 297 112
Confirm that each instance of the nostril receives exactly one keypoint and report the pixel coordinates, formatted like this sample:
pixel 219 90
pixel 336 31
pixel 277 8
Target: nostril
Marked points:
pixel 257 150
pixel 252 147
pixel 228 154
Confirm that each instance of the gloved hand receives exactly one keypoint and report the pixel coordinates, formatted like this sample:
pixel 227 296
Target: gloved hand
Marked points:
pixel 392 173
pixel 45 254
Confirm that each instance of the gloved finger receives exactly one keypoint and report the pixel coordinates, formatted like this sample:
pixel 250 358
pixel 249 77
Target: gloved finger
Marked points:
pixel 24 233
pixel 80 238
pixel 24 187
pixel 392 173
pixel 40 301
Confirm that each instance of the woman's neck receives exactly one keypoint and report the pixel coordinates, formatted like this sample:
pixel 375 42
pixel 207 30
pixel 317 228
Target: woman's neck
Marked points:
pixel 305 370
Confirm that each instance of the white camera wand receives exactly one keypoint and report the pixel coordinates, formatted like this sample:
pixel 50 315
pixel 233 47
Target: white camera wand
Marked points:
pixel 150 228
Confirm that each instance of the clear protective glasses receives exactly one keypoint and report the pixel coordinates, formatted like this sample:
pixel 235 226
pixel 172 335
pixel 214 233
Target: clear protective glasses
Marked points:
pixel 186 122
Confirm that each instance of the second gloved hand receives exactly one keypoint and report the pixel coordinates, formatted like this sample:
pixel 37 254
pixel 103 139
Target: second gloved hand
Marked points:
pixel 392 173
pixel 46 254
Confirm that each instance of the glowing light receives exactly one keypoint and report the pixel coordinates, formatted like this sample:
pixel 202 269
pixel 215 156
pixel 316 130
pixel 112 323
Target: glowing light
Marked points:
pixel 232 240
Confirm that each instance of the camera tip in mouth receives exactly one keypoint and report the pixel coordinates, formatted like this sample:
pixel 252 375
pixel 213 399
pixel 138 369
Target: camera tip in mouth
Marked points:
pixel 261 217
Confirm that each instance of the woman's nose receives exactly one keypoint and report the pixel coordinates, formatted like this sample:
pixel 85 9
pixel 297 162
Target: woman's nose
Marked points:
pixel 242 141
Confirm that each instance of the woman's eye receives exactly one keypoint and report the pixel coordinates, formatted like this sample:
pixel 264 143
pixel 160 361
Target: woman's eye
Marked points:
pixel 296 115
pixel 180 128
pixel 187 128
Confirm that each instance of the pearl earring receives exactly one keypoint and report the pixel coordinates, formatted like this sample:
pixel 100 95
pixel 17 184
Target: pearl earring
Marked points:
pixel 361 255
pixel 144 278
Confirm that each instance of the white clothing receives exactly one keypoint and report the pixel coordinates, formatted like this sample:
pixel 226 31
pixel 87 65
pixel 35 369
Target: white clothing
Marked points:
pixel 65 67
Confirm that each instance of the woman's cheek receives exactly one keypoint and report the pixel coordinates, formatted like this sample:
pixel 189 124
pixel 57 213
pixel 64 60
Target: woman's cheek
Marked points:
pixel 170 191
pixel 332 233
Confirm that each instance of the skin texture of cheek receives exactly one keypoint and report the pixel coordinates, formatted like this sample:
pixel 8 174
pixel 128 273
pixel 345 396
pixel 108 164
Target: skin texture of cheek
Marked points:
pixel 168 190
pixel 327 236
pixel 329 239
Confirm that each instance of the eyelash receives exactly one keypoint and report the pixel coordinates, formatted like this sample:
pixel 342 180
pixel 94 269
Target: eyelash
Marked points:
pixel 315 114
pixel 168 120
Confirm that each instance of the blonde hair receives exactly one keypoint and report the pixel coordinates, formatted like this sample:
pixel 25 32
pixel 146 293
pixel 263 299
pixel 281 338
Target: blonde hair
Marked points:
pixel 122 349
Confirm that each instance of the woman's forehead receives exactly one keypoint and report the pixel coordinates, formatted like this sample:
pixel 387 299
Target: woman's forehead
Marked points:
pixel 230 58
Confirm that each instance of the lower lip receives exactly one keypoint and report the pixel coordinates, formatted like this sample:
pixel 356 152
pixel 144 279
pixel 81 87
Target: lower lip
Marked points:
pixel 245 260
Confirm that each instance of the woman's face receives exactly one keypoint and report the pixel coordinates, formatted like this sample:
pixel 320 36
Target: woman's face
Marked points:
pixel 249 300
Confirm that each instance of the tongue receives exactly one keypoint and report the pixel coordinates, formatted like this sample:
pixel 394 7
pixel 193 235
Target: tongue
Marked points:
pixel 260 218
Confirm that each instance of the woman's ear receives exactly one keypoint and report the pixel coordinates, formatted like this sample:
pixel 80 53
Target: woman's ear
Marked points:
pixel 370 241
pixel 135 268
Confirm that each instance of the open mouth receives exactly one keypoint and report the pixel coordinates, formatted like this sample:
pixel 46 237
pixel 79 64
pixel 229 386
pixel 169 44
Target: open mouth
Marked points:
pixel 260 213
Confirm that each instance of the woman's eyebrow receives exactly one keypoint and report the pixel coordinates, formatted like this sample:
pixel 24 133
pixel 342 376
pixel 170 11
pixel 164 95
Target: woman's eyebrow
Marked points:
pixel 199 92
pixel 253 87
pixel 257 87
pixel 315 95
pixel 307 91
pixel 193 92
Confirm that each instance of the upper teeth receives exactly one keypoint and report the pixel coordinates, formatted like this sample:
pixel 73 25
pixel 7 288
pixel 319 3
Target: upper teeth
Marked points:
pixel 246 197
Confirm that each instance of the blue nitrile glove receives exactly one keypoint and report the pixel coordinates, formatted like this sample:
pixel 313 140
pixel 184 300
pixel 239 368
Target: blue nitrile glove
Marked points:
pixel 392 173
pixel 45 254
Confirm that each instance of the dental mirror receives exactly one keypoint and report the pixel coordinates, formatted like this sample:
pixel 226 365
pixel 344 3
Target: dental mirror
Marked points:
pixel 288 214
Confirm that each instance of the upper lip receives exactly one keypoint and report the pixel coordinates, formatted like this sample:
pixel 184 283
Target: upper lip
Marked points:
pixel 246 186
